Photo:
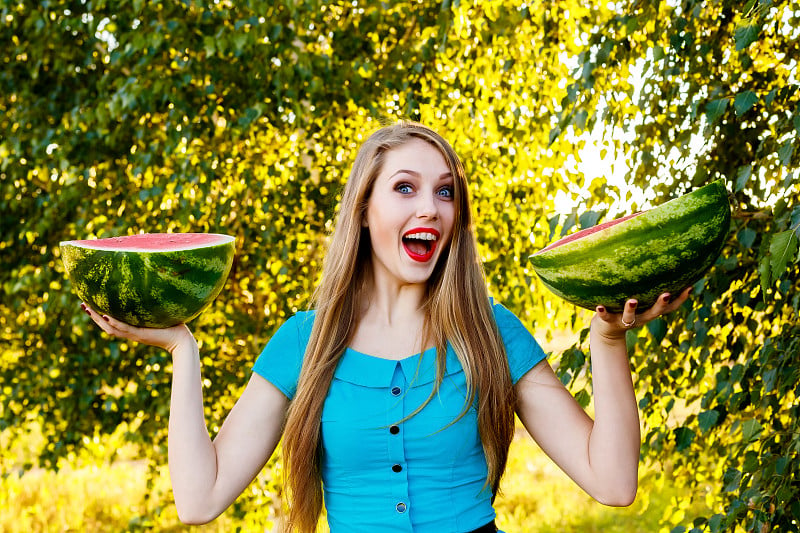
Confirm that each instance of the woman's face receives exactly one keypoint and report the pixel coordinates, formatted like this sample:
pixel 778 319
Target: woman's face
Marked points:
pixel 410 213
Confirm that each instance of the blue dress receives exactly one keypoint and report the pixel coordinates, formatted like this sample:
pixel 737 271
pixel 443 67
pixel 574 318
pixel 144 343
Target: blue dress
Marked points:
pixel 380 473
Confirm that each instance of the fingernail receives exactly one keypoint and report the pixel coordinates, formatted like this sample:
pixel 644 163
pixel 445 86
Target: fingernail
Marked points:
pixel 83 306
pixel 632 305
pixel 105 317
pixel 601 309
pixel 667 297
pixel 88 313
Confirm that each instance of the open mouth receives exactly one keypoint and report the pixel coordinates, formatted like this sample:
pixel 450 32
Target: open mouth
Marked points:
pixel 420 243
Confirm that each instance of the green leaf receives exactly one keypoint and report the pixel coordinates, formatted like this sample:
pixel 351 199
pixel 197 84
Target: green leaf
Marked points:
pixel 750 463
pixel 631 25
pixel 568 224
pixel 715 109
pixel 715 522
pixel 764 270
pixel 782 250
pixel 745 36
pixel 731 479
pixel 771 96
pixel 751 429
pixel 795 219
pixel 742 176
pixel 658 329
pixel 583 398
pixel 707 419
pixel 747 237
pixel 744 101
pixel 588 219
pixel 780 465
pixel 579 119
pixel 785 153
pixel 553 223
pixel 764 265
pixel 683 438
pixel 796 120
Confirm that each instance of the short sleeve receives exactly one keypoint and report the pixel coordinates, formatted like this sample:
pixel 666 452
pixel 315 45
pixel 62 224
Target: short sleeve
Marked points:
pixel 281 359
pixel 522 350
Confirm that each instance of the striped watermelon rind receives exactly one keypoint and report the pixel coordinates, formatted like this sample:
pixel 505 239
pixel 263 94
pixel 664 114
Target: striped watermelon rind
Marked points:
pixel 154 280
pixel 641 256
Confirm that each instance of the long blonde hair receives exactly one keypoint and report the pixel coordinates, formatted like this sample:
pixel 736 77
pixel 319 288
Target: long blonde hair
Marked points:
pixel 457 310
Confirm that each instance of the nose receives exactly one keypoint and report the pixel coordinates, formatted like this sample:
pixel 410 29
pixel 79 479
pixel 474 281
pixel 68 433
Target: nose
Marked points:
pixel 427 206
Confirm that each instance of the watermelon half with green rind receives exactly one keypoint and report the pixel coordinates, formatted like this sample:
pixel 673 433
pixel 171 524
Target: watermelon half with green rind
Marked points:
pixel 642 255
pixel 155 280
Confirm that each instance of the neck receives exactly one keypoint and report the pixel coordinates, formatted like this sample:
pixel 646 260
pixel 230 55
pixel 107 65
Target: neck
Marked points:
pixel 393 303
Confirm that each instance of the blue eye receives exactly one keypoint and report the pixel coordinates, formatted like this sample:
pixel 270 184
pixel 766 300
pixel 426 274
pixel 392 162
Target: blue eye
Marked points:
pixel 446 191
pixel 403 188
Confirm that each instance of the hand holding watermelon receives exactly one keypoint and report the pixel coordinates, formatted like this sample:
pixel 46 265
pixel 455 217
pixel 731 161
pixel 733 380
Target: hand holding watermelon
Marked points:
pixel 167 338
pixel 612 326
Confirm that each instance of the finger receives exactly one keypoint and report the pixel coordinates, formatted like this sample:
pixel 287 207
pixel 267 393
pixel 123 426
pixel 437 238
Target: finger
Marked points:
pixel 628 318
pixel 660 306
pixel 106 323
pixel 679 301
pixel 97 318
pixel 604 314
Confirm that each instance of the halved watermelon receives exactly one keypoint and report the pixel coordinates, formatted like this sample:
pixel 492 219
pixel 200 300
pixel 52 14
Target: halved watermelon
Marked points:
pixel 154 280
pixel 639 256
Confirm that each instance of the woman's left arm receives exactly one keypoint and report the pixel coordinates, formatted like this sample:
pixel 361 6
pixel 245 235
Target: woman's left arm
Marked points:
pixel 600 455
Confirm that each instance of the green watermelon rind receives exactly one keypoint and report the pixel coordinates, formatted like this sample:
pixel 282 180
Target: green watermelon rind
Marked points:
pixel 665 249
pixel 155 289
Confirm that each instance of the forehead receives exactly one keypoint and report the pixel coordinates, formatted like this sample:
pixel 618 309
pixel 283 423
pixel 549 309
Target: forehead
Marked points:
pixel 416 155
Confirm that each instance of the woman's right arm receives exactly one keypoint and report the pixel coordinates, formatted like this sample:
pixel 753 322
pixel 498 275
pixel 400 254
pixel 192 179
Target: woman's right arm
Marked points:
pixel 207 476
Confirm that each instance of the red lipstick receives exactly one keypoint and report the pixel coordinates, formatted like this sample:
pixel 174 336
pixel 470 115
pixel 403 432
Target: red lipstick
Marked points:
pixel 420 243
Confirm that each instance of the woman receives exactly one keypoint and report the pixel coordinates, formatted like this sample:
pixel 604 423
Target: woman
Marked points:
pixel 396 394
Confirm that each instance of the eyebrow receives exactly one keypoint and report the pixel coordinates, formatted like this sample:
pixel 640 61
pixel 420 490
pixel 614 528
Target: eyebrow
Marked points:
pixel 414 173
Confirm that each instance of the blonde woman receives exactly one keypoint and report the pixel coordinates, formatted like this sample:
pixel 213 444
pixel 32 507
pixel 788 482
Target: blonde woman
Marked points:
pixel 395 395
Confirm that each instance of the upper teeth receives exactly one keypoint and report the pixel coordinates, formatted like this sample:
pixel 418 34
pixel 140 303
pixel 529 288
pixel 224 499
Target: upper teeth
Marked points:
pixel 422 236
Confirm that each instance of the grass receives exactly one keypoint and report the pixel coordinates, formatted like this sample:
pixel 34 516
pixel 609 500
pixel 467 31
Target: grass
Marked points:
pixel 100 498
pixel 94 495
pixel 538 497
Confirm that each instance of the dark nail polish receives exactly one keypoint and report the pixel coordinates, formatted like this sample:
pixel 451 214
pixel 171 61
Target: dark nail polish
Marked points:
pixel 88 313
pixel 105 318
pixel 601 309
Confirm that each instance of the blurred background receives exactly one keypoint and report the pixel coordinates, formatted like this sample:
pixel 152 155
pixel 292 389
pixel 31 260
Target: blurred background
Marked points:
pixel 243 118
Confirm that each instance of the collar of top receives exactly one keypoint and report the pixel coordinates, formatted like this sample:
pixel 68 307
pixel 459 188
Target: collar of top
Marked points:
pixel 370 371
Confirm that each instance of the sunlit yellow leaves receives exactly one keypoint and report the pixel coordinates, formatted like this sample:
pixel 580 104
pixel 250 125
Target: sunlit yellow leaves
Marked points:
pixel 244 118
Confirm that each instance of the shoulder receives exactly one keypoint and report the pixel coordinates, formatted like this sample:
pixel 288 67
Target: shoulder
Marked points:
pixel 303 321
pixel 294 333
pixel 522 350
pixel 508 324
pixel 282 358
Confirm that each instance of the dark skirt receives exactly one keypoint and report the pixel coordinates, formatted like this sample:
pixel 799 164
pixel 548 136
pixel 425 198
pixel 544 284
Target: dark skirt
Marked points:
pixel 487 528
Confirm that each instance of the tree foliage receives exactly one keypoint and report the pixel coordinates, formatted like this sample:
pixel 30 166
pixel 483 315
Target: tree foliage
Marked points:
pixel 717 96
pixel 243 118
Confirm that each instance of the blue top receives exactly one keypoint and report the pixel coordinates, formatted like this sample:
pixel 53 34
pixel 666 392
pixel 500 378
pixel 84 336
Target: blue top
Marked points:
pixel 425 474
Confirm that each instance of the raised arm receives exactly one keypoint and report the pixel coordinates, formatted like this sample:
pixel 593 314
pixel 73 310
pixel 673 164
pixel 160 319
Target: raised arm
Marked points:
pixel 207 476
pixel 600 455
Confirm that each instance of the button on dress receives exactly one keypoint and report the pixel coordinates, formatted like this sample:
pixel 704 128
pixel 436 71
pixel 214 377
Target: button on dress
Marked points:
pixel 383 469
